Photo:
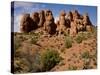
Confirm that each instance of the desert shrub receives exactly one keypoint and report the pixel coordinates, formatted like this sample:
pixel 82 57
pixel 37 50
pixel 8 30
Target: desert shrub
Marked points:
pixel 21 65
pixel 34 34
pixel 34 40
pixel 83 36
pixel 85 55
pixel 17 42
pixel 68 42
pixel 79 39
pixel 49 59
pixel 72 67
pixel 34 37
pixel 18 39
pixel 27 61
pixel 22 38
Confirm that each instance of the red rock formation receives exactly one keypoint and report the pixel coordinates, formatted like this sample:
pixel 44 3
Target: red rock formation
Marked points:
pixel 86 19
pixel 49 24
pixel 62 23
pixel 69 16
pixel 76 15
pixel 73 29
pixel 71 22
pixel 89 28
pixel 35 18
pixel 42 18
pixel 26 23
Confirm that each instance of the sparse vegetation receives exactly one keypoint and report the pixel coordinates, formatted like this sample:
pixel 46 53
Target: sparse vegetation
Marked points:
pixel 82 36
pixel 34 40
pixel 34 37
pixel 49 59
pixel 21 65
pixel 87 60
pixel 17 42
pixel 79 39
pixel 85 55
pixel 68 42
pixel 26 60
pixel 72 68
pixel 45 44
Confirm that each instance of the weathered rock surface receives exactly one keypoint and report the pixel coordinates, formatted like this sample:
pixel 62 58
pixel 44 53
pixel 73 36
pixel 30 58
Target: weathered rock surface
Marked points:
pixel 42 18
pixel 26 23
pixel 71 22
pixel 49 24
pixel 62 22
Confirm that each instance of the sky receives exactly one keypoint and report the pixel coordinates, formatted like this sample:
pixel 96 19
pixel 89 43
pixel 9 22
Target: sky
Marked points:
pixel 20 7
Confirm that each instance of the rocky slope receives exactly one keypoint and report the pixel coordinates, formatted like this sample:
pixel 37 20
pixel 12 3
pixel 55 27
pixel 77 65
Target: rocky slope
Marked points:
pixel 72 39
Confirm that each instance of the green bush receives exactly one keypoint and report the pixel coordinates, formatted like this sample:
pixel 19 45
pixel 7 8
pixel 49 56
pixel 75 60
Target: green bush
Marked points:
pixel 49 59
pixel 85 55
pixel 79 39
pixel 68 42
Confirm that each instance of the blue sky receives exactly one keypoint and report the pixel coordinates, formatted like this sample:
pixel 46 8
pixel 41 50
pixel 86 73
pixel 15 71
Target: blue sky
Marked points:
pixel 29 7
